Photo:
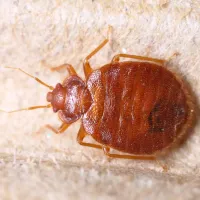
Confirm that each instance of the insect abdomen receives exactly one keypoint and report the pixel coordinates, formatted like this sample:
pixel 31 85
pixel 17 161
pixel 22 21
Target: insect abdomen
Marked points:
pixel 138 107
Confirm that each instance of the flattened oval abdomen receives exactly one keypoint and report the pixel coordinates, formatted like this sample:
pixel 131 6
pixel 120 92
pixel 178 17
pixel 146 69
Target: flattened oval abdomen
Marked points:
pixel 138 108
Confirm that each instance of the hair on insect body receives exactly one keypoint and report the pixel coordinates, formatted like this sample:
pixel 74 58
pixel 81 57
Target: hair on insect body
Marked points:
pixel 137 107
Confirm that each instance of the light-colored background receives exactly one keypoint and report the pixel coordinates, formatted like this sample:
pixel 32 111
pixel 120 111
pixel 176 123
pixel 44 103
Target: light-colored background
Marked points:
pixel 48 166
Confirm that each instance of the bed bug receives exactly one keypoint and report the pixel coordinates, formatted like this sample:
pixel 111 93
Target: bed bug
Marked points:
pixel 139 107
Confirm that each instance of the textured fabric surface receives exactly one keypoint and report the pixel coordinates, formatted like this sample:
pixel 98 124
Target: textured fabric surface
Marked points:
pixel 47 166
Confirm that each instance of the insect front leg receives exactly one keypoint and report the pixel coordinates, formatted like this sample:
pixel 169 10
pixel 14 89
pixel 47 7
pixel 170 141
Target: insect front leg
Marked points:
pixel 59 130
pixel 66 66
pixel 80 137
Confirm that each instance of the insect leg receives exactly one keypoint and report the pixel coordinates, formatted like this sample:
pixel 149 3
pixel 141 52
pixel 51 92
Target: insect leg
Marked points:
pixel 106 151
pixel 117 57
pixel 66 66
pixel 171 57
pixel 81 135
pixel 164 166
pixel 86 64
pixel 59 130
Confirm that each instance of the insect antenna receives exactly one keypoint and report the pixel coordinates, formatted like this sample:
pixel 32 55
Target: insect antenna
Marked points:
pixel 32 107
pixel 29 108
pixel 37 79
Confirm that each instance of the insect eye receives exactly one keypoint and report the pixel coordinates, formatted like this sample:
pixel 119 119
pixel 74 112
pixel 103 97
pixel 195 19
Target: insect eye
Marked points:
pixel 58 86
pixel 55 109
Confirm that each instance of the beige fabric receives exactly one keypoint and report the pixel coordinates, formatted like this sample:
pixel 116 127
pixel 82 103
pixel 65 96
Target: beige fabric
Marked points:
pixel 48 166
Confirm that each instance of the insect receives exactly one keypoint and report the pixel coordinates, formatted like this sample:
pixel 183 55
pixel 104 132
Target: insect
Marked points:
pixel 136 107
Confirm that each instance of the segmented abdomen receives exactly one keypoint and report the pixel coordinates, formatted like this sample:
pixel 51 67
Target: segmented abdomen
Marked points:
pixel 137 108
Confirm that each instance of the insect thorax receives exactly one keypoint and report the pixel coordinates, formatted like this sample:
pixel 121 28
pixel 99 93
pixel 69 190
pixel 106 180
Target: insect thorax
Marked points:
pixel 77 99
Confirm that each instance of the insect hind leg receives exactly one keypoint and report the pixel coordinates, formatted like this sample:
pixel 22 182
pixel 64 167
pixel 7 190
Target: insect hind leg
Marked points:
pixel 106 151
pixel 117 57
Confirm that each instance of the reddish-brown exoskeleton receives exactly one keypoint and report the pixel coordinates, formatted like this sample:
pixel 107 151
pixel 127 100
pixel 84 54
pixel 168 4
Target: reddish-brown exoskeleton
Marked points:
pixel 139 108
